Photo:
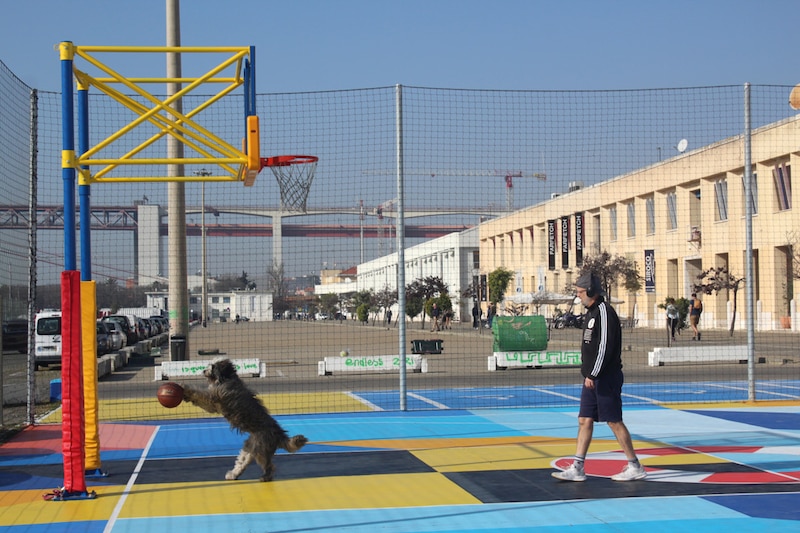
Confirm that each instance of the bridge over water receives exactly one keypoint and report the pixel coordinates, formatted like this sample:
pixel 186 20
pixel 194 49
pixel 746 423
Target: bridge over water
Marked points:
pixel 149 223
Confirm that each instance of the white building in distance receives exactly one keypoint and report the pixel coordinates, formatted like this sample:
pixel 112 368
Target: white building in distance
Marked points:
pixel 453 258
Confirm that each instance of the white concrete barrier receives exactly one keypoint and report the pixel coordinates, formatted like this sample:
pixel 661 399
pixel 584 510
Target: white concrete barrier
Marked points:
pixel 371 363
pixel 698 353
pixel 118 359
pixel 544 358
pixel 172 369
pixel 103 367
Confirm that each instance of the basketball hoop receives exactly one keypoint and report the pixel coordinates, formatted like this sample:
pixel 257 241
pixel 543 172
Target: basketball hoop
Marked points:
pixel 294 174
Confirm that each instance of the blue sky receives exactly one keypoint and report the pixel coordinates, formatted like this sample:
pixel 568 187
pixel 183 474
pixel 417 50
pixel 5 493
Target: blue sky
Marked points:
pixel 329 45
pixel 310 45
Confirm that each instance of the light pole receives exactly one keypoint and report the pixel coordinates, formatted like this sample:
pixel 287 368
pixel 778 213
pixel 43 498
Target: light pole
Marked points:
pixel 203 284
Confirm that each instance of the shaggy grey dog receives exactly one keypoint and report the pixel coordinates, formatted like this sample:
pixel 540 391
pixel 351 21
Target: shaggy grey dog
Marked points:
pixel 229 396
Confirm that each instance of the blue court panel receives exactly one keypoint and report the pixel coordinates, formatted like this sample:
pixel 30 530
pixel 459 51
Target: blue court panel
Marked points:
pixel 632 515
pixel 569 395
pixel 775 421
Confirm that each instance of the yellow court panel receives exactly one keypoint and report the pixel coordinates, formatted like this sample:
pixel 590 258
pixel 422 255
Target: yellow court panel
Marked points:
pixel 278 404
pixel 19 507
pixel 355 492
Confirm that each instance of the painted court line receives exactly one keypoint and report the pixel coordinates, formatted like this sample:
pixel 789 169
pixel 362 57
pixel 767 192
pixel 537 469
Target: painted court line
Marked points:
pixel 743 388
pixel 428 401
pixel 131 481
pixel 642 398
pixel 366 402
pixel 554 393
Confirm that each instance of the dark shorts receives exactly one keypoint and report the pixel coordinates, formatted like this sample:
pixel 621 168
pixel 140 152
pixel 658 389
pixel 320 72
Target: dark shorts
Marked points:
pixel 604 402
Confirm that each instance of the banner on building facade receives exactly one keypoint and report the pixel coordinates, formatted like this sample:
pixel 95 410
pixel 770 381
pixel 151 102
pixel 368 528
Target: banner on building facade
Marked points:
pixel 649 271
pixel 551 244
pixel 484 291
pixel 579 239
pixel 565 242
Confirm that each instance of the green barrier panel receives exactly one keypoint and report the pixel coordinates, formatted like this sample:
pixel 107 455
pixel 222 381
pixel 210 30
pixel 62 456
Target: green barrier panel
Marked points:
pixel 516 333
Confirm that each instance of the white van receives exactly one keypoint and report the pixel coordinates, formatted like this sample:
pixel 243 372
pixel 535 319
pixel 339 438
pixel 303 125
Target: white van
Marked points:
pixel 48 338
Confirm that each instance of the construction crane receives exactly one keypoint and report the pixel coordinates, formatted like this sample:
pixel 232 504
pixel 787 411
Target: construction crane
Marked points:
pixel 508 177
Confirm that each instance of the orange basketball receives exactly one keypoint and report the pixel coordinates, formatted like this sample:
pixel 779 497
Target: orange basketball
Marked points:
pixel 170 394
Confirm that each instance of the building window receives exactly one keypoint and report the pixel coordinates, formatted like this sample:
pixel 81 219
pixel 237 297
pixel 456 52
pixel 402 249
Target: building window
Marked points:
pixel 226 299
pixel 783 185
pixel 721 196
pixel 631 219
pixel 753 194
pixel 650 204
pixel 215 299
pixel 612 222
pixel 672 210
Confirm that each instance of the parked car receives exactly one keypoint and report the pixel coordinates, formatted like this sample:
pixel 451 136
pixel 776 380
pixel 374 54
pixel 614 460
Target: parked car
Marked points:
pixel 116 338
pixel 48 338
pixel 128 327
pixel 163 321
pixel 102 338
pixel 159 322
pixel 142 328
pixel 15 335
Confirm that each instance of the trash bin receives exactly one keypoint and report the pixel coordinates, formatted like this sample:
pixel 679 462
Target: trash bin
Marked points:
pixel 426 346
pixel 55 390
pixel 177 348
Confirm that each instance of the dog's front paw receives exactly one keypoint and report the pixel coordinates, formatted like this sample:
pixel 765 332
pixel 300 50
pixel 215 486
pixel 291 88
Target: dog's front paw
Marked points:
pixel 230 475
pixel 188 393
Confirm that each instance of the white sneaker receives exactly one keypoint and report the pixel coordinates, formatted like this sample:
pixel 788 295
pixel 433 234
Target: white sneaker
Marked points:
pixel 630 473
pixel 573 473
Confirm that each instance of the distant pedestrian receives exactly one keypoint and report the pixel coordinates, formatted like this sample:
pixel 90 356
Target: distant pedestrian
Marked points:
pixel 388 318
pixel 695 310
pixel 476 316
pixel 435 314
pixel 673 317
pixel 490 316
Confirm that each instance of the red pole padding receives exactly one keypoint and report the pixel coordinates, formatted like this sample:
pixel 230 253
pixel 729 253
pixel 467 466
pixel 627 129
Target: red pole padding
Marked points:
pixel 72 423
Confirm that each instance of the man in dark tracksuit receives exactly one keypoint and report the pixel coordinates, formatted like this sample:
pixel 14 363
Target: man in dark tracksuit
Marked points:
pixel 601 395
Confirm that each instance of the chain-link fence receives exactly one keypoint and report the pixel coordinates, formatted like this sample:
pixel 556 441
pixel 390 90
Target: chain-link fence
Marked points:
pixel 306 294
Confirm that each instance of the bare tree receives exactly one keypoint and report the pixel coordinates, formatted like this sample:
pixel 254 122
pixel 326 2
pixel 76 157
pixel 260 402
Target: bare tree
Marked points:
pixel 716 280
pixel 423 290
pixel 614 271
pixel 276 284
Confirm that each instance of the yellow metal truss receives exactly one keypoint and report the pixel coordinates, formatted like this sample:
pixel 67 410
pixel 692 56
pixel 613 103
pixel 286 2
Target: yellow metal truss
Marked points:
pixel 227 163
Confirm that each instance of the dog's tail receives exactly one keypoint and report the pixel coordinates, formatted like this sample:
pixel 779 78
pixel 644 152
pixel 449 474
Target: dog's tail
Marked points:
pixel 292 444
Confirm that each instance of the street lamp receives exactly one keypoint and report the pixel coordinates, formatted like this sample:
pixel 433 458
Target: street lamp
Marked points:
pixel 203 272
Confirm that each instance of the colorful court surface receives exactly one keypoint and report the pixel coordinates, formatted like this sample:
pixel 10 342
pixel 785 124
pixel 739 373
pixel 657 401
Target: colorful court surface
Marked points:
pixel 710 468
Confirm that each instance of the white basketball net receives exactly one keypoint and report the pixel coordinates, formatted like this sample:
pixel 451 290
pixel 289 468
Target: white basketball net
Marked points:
pixel 295 181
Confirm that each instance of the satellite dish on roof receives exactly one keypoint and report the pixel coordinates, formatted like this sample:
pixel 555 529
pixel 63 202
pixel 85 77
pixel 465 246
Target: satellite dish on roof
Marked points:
pixel 682 145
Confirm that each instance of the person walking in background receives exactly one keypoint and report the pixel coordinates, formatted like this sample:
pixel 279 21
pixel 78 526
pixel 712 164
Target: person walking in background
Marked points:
pixel 695 310
pixel 435 314
pixel 601 395
pixel 388 318
pixel 673 316
pixel 476 316
pixel 490 316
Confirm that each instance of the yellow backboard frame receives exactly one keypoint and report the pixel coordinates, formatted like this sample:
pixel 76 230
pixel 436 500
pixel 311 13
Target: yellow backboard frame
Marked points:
pixel 226 162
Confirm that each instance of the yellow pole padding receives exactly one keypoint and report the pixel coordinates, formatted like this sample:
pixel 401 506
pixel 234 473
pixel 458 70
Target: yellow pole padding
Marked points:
pixel 90 401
